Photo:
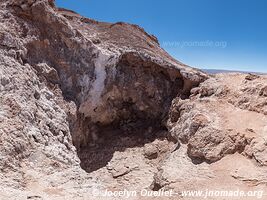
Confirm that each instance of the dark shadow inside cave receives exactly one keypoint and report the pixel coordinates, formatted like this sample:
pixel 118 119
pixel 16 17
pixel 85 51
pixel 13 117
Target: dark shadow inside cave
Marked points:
pixel 97 153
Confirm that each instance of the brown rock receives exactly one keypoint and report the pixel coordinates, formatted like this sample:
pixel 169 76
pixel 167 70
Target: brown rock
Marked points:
pixel 150 151
pixel 66 79
pixel 264 91
pixel 251 77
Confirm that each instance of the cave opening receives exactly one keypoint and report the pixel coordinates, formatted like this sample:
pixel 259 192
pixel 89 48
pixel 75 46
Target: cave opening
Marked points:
pixel 141 112
pixel 135 103
pixel 140 95
pixel 99 150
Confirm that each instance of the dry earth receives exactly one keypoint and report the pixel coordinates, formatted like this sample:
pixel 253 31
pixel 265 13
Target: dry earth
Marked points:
pixel 89 106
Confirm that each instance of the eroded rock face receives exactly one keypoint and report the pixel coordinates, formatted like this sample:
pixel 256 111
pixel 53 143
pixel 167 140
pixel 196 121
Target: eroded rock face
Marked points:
pixel 113 83
pixel 217 121
pixel 67 81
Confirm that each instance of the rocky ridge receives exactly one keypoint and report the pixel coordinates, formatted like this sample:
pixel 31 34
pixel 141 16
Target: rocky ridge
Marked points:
pixel 88 105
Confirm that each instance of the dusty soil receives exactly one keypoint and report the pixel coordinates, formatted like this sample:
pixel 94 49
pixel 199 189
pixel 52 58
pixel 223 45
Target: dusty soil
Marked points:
pixel 89 106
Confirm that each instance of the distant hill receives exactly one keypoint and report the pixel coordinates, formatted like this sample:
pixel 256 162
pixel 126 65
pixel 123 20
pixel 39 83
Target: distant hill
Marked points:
pixel 217 71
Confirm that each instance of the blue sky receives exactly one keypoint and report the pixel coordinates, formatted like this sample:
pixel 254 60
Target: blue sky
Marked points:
pixel 216 34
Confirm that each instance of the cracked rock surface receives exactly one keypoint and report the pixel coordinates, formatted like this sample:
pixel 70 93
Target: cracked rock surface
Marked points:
pixel 87 106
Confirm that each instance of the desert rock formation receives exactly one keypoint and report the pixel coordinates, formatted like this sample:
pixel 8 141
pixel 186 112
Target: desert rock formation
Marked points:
pixel 88 106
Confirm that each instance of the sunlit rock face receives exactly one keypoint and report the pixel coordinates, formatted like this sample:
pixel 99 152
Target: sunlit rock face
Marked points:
pixel 88 105
pixel 113 82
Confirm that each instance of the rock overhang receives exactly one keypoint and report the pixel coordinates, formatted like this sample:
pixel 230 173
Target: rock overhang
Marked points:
pixel 113 82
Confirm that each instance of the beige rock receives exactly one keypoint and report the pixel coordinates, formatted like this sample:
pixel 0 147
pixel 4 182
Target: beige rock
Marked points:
pixel 81 111
pixel 150 151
